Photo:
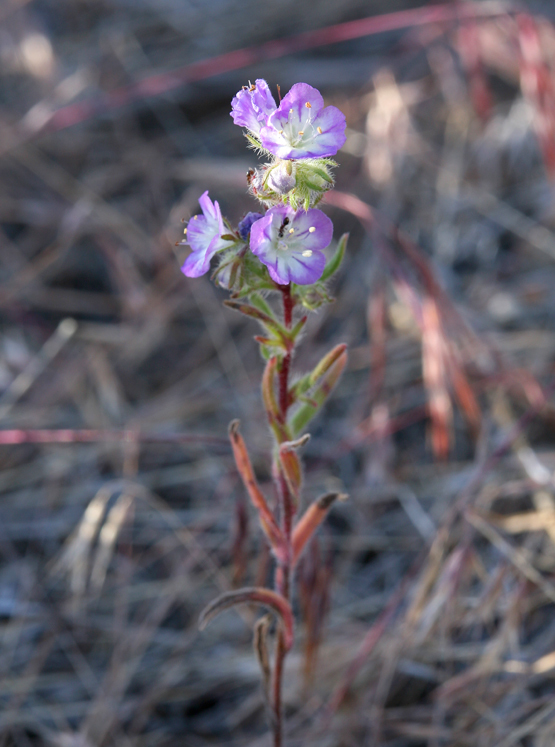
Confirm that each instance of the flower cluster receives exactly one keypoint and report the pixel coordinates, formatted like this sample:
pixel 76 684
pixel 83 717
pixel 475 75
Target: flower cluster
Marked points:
pixel 298 137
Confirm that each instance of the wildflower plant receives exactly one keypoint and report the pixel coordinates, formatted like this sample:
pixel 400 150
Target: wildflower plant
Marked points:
pixel 278 251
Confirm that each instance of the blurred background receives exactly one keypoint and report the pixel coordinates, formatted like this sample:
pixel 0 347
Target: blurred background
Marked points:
pixel 427 602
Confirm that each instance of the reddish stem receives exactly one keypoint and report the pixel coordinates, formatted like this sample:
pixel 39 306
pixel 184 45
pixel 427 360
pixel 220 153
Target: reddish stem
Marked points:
pixel 286 362
pixel 283 571
pixel 277 690
pixel 284 386
pixel 287 305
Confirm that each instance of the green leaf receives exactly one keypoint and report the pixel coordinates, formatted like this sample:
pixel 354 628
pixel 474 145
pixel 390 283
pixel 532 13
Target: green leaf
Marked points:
pixel 328 372
pixel 300 386
pixel 297 328
pixel 257 314
pixel 273 328
pixel 334 263
pixel 261 304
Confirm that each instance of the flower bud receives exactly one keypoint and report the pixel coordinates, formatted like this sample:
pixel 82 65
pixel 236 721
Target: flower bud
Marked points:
pixel 281 178
pixel 244 227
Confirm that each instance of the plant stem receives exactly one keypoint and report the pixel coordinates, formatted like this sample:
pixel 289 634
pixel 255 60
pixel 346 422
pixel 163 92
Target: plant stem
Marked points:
pixel 287 305
pixel 286 362
pixel 283 572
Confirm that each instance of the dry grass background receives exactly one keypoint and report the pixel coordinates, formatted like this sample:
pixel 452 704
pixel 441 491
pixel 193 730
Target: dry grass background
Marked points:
pixel 432 590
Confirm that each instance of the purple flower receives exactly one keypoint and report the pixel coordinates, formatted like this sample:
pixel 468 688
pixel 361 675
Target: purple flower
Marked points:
pixel 290 244
pixel 252 106
pixel 244 226
pixel 302 128
pixel 204 237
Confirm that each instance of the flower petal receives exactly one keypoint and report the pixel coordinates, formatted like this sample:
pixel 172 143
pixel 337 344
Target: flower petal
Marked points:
pixel 297 269
pixel 197 263
pixel 297 99
pixel 252 106
pixel 290 244
pixel 210 209
pixel 302 128
pixel 204 237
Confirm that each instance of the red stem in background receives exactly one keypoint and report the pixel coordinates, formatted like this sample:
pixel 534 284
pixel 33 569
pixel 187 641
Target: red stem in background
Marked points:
pixel 160 83
pixel 72 435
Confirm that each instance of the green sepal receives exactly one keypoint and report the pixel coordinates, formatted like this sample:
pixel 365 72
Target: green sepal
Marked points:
pixel 257 145
pixel 323 174
pixel 315 187
pixel 253 141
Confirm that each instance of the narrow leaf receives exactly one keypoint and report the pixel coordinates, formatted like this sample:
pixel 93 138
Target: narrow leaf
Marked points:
pixel 253 312
pixel 260 645
pixel 293 333
pixel 270 402
pixel 260 303
pixel 255 595
pixel 311 520
pixel 318 394
pixel 300 386
pixel 244 467
pixel 270 324
pixel 326 363
pixel 291 465
pixel 335 262
pixel 269 390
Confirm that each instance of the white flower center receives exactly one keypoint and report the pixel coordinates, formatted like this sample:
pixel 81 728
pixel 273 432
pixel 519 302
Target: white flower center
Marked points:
pixel 301 129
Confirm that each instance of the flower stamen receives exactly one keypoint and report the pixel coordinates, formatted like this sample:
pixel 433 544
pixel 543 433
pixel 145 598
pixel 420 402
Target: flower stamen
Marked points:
pixel 307 253
pixel 311 229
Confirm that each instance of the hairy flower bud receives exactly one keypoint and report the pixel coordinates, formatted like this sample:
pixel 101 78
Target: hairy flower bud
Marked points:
pixel 281 178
